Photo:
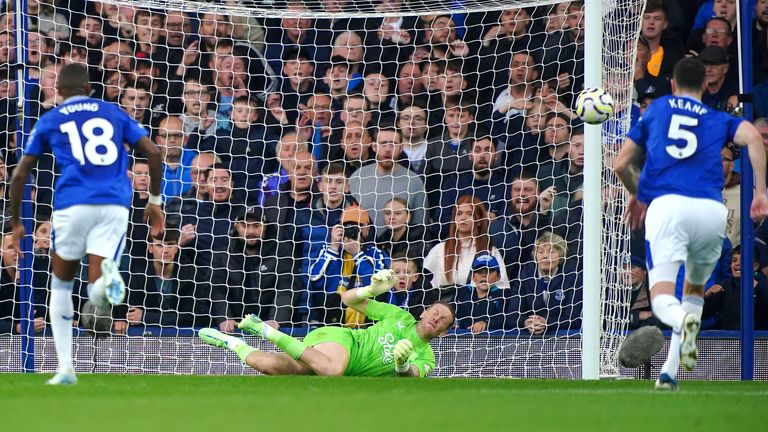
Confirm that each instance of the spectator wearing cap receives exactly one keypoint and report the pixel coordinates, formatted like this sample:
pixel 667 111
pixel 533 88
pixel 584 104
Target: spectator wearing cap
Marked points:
pixel 252 275
pixel 168 290
pixel 412 291
pixel 664 50
pixel 480 304
pixel 640 313
pixel 375 184
pixel 547 296
pixel 719 88
pixel 347 261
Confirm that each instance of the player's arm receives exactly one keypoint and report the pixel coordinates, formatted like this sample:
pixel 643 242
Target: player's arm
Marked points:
pixel 357 298
pixel 20 176
pixel 748 136
pixel 154 211
pixel 627 165
pixel 421 365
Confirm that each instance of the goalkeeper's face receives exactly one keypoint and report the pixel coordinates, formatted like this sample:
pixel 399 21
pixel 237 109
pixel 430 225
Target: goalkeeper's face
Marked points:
pixel 435 320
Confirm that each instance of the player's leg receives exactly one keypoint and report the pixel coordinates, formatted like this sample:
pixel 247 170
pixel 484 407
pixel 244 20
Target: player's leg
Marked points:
pixel 707 232
pixel 68 245
pixel 693 305
pixel 326 359
pixel 666 249
pixel 270 363
pixel 321 352
pixel 105 244
pixel 61 312
pixel 668 309
pixel 264 362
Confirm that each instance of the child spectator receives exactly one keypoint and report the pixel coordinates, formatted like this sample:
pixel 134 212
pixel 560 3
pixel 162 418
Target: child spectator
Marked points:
pixel 480 304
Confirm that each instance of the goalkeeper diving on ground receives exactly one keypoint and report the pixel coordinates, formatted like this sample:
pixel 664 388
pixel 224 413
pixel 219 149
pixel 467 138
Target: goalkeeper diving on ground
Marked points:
pixel 396 345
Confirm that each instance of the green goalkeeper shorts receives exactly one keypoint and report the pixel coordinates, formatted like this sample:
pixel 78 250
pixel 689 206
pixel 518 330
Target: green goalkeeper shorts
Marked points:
pixel 339 335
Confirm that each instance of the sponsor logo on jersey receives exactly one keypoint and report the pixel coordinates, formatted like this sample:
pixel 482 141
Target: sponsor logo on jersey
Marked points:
pixel 387 343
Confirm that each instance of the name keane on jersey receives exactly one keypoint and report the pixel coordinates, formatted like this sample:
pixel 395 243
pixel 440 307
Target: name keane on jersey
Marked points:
pixel 387 343
pixel 684 104
pixel 76 107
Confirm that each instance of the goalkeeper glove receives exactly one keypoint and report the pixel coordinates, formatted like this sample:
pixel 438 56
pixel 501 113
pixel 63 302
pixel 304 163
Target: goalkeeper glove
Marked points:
pixel 381 282
pixel 403 351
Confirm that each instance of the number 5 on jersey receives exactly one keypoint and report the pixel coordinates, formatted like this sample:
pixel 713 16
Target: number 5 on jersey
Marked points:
pixel 676 132
pixel 93 141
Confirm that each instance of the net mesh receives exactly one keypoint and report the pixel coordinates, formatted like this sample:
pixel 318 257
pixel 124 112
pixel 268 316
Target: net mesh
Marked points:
pixel 449 123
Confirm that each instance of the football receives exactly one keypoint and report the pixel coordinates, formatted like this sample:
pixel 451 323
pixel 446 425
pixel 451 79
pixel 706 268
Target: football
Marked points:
pixel 594 105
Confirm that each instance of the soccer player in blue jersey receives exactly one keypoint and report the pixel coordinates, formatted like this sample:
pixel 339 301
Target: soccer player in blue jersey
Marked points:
pixel 681 183
pixel 91 200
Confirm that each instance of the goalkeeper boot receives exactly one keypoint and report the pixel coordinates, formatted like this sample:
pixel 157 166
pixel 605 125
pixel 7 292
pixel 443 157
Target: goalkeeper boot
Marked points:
pixel 689 353
pixel 218 339
pixel 666 383
pixel 252 324
pixel 63 378
pixel 113 283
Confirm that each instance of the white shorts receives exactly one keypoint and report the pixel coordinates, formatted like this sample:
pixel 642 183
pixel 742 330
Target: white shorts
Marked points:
pixel 89 229
pixel 681 229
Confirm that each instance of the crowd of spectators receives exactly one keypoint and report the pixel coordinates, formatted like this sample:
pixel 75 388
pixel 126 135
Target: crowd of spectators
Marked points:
pixel 302 154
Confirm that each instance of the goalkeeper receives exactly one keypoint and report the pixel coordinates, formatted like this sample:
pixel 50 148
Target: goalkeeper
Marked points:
pixel 396 344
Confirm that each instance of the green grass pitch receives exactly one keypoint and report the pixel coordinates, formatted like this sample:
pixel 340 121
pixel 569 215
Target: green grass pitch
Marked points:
pixel 138 403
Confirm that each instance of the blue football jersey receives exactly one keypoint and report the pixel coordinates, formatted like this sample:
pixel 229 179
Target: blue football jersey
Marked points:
pixel 86 137
pixel 682 138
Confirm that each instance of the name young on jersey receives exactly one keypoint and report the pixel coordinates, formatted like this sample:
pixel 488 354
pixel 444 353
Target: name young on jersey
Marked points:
pixel 77 107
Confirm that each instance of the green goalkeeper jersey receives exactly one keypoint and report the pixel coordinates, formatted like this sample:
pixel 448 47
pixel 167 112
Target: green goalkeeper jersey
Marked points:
pixel 372 353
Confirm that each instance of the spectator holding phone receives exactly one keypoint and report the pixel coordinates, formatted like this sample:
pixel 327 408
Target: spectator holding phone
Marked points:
pixel 347 261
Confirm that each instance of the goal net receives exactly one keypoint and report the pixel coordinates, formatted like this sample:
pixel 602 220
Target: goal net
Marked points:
pixel 307 145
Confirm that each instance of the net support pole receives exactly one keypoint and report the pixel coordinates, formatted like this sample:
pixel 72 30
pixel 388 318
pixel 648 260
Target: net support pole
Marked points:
pixel 744 36
pixel 590 338
pixel 26 294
